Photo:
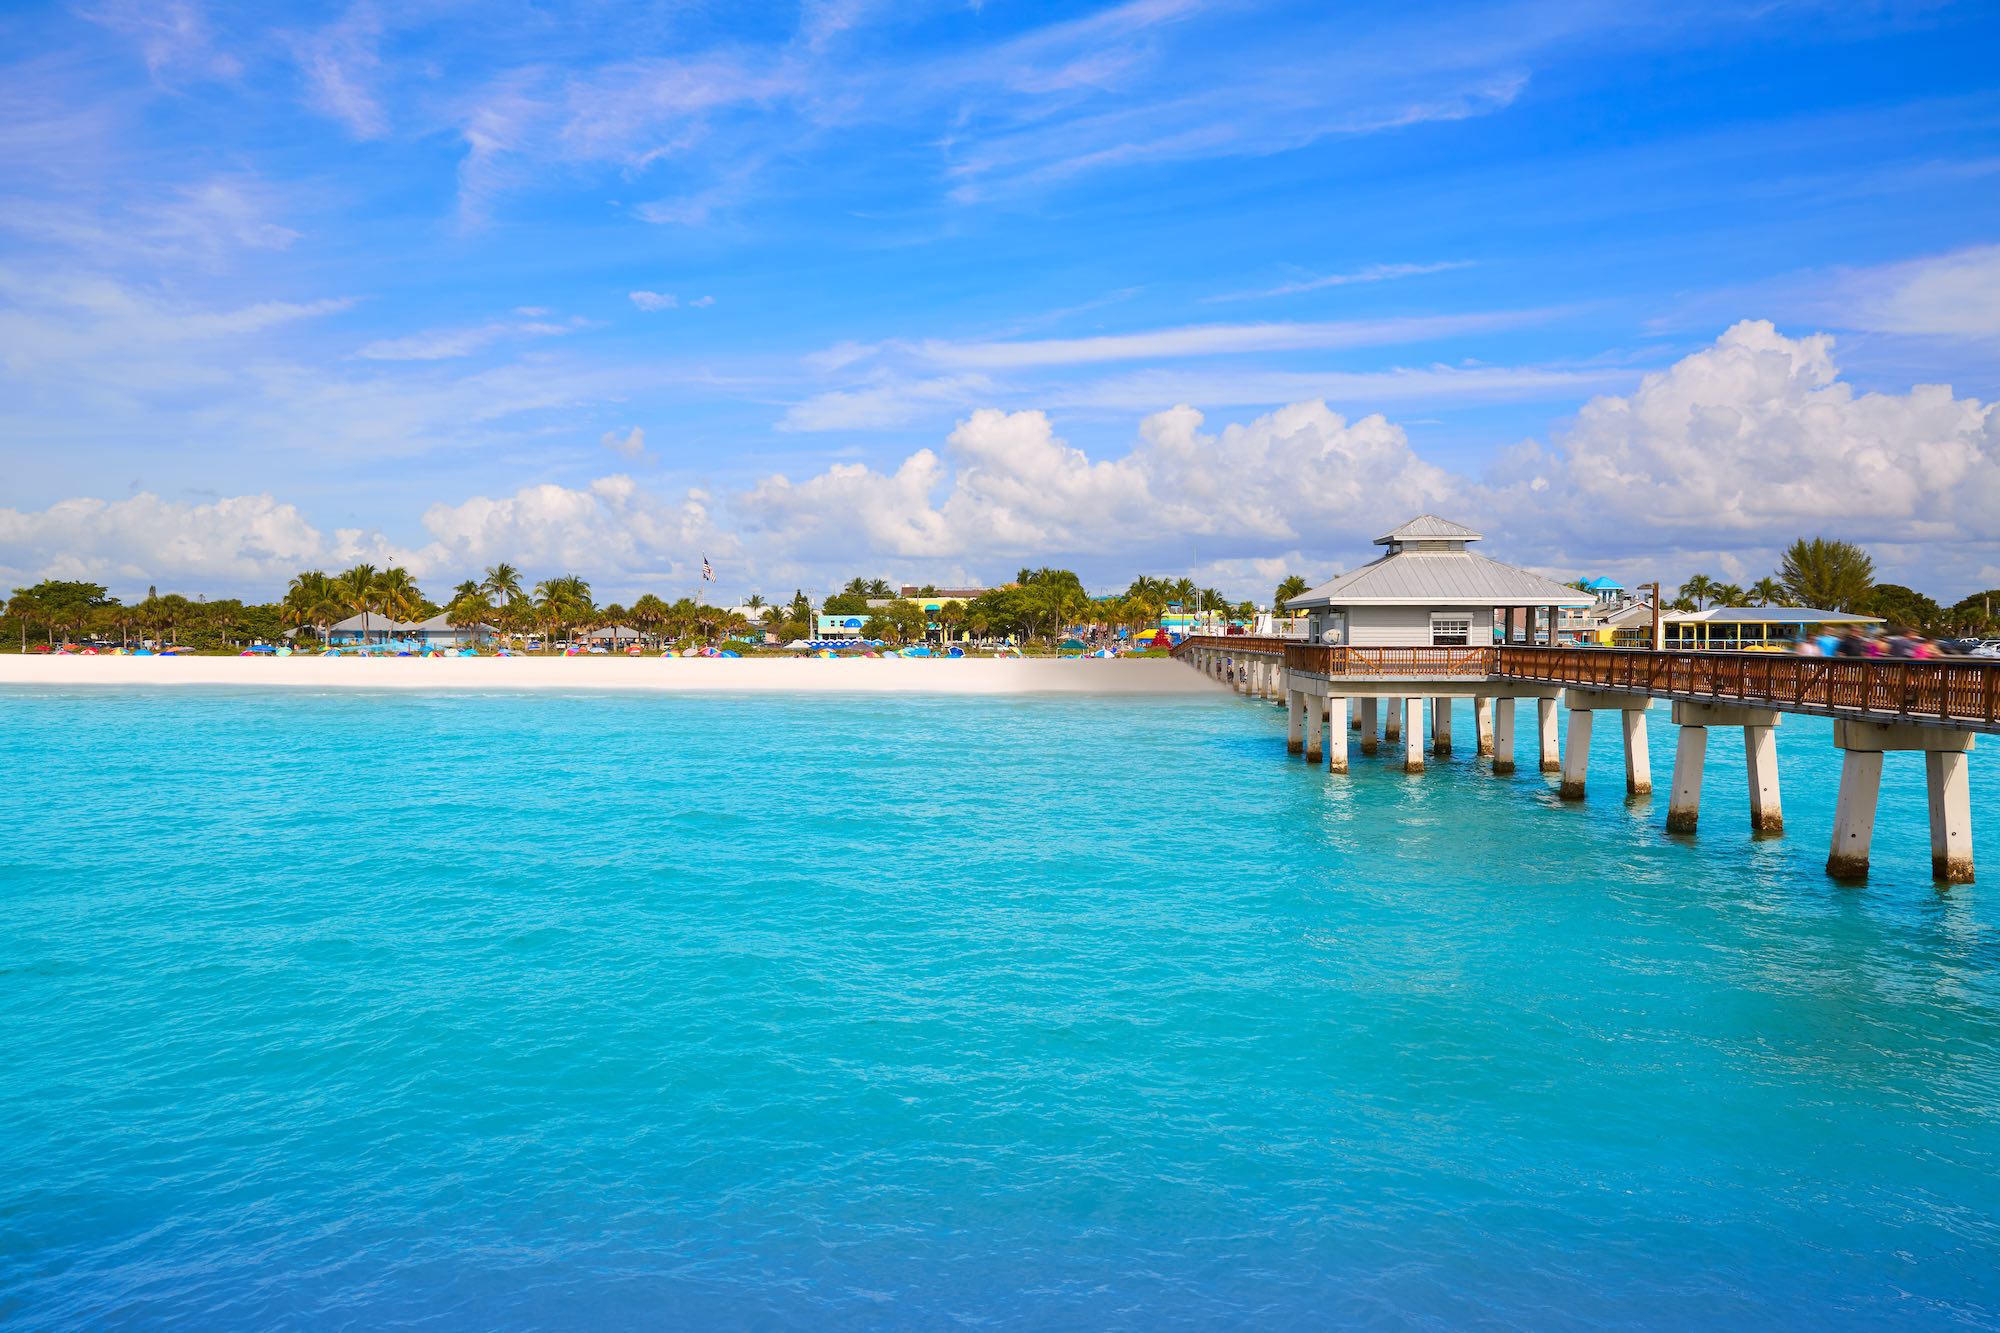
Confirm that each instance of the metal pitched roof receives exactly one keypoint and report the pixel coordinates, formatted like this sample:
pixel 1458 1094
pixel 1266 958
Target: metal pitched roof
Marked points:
pixel 1768 615
pixel 376 621
pixel 1440 578
pixel 1428 528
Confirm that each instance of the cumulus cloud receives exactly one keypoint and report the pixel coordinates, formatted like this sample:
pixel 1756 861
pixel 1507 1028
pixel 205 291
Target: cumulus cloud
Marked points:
pixel 1736 448
pixel 240 541
pixel 1757 436
pixel 1714 462
pixel 1007 485
pixel 611 529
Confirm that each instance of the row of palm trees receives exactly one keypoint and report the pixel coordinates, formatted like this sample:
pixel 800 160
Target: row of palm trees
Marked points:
pixel 557 608
pixel 1701 592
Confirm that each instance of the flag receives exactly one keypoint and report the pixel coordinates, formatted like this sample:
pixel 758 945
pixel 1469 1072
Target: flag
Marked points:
pixel 707 570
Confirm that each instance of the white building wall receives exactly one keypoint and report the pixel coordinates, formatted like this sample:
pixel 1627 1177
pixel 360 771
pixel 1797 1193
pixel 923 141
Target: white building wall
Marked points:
pixel 1410 626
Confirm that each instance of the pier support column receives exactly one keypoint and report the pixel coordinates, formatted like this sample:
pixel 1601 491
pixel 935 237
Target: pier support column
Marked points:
pixel 1760 753
pixel 1441 726
pixel 1638 763
pixel 1369 708
pixel 1545 718
pixel 1854 814
pixel 1413 735
pixel 1315 719
pixel 1482 724
pixel 1336 734
pixel 1576 754
pixel 1392 726
pixel 1690 755
pixel 1295 721
pixel 1503 736
pixel 1950 793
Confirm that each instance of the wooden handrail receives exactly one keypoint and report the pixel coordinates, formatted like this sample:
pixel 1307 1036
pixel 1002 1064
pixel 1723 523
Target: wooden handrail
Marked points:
pixel 1938 690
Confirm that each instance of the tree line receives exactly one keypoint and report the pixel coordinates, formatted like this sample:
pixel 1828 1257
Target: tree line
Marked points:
pixel 1040 604
pixel 1829 575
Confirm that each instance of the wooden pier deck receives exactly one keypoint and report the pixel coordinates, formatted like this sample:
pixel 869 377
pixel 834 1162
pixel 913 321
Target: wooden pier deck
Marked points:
pixel 1879 706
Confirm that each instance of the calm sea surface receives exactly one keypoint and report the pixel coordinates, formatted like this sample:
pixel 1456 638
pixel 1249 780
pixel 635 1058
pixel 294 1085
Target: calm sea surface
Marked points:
pixel 410 1011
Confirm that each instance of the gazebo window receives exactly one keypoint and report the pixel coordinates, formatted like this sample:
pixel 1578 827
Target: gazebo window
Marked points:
pixel 1451 629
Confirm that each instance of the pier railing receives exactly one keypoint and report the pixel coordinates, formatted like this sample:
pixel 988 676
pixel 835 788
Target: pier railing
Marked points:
pixel 1937 690
pixel 1950 691
pixel 1325 660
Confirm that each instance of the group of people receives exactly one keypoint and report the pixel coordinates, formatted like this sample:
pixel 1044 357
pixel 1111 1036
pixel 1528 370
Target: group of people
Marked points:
pixel 1856 641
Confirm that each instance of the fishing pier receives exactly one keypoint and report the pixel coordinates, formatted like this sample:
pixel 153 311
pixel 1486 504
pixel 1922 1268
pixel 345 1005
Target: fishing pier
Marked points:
pixel 1933 708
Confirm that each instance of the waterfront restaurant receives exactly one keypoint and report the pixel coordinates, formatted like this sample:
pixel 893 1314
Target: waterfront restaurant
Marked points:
pixel 1765 628
pixel 1428 591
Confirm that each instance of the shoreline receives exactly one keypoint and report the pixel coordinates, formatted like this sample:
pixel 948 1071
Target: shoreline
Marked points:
pixel 690 675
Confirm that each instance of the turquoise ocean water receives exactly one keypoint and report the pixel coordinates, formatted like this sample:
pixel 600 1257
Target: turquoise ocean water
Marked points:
pixel 482 1011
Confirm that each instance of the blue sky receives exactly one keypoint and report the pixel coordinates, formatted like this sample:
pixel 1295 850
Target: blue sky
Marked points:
pixel 934 291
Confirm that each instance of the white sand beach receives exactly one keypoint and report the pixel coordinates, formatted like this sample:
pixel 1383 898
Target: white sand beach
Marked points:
pixel 969 675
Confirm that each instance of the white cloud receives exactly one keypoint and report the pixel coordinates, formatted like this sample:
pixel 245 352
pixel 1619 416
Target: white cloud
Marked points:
pixel 1008 486
pixel 447 344
pixel 1219 340
pixel 1372 273
pixel 1725 456
pixel 246 541
pixel 1753 441
pixel 341 63
pixel 655 300
pixel 1954 295
pixel 612 529
pixel 172 35
pixel 632 444
pixel 888 400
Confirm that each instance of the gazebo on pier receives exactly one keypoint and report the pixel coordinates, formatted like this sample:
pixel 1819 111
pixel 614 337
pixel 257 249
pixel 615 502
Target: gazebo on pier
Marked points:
pixel 1429 591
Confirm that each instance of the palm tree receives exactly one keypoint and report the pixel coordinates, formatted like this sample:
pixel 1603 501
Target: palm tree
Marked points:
pixel 25 608
pixel 1293 586
pixel 1768 592
pixel 312 599
pixel 1728 594
pixel 1827 575
pixel 398 594
pixel 563 601
pixel 360 595
pixel 469 607
pixel 648 614
pixel 1698 589
pixel 502 583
